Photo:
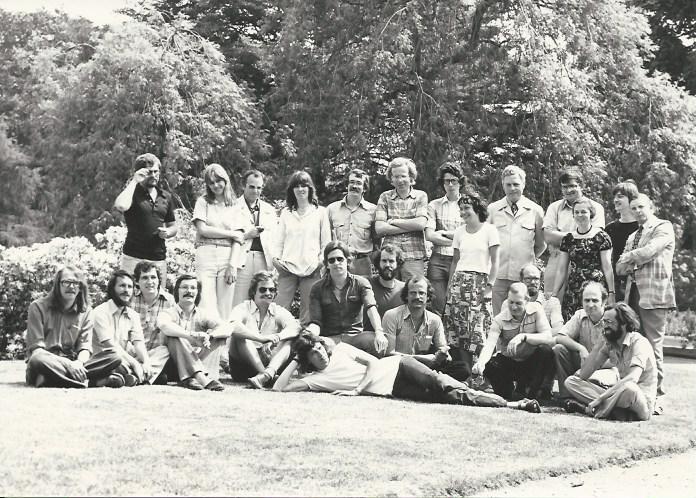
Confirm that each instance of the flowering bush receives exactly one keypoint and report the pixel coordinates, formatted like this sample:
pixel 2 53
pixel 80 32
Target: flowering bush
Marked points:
pixel 26 273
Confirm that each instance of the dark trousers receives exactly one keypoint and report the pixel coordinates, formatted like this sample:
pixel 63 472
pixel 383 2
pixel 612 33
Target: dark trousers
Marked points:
pixel 502 371
pixel 56 373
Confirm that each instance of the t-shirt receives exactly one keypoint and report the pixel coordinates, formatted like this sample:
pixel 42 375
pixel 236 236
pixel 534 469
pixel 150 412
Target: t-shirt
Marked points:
pixel 345 373
pixel 386 298
pixel 217 216
pixel 474 248
pixel 619 232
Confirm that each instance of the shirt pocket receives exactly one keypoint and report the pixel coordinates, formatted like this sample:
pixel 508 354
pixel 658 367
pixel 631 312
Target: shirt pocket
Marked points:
pixel 526 231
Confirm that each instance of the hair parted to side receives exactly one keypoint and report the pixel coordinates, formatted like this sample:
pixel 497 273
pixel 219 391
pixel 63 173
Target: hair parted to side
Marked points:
pixel 111 286
pixel 82 301
pixel 212 173
pixel 296 179
pixel 144 267
pixel 511 170
pixel 183 278
pixel 627 188
pixel 260 276
pixel 403 161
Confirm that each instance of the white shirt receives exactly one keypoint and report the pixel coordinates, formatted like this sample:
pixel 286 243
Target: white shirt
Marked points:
pixel 120 324
pixel 301 239
pixel 474 248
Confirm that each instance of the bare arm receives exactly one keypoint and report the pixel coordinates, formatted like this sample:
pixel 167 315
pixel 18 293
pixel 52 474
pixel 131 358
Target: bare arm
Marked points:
pixel 598 356
pixel 283 384
pixel 605 259
pixel 563 262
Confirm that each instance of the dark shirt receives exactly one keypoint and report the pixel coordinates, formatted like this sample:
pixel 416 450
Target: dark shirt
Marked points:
pixel 385 298
pixel 336 317
pixel 142 219
pixel 619 232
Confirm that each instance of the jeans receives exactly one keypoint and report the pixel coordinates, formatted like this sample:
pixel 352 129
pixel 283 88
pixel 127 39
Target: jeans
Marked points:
pixel 412 268
pixel 288 284
pixel 56 374
pixel 438 274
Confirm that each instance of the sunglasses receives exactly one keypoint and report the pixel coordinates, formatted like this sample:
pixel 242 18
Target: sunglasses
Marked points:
pixel 263 290
pixel 337 259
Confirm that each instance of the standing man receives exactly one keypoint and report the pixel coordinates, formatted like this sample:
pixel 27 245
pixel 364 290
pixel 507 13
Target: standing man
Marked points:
pixel 259 237
pixel 633 396
pixel 522 336
pixel 443 220
pixel 117 326
pixel 385 286
pixel 416 331
pixel 149 302
pixel 559 221
pixel 59 338
pixel 149 214
pixel 576 340
pixel 519 222
pixel 336 304
pixel 402 214
pixel 352 222
pixel 647 260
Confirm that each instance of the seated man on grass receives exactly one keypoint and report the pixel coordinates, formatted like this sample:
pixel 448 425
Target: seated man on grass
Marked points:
pixel 579 336
pixel 196 338
pixel 336 304
pixel 59 338
pixel 260 345
pixel 522 336
pixel 633 396
pixel 347 371
pixel 117 327
pixel 416 331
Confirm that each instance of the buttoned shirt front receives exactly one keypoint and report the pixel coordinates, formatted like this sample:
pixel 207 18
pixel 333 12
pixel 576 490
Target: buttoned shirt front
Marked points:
pixel 506 326
pixel 443 214
pixel 301 239
pixel 268 219
pixel 149 314
pixel 62 332
pixel 552 310
pixel 583 330
pixel 518 233
pixel 390 206
pixel 121 324
pixel 353 226
pixel 197 321
pixel 653 268
pixel 142 219
pixel 274 321
pixel 342 316
pixel 559 216
pixel 399 323
pixel 635 350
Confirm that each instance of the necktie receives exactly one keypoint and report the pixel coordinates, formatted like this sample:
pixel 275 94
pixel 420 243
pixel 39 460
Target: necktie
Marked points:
pixel 513 206
pixel 636 240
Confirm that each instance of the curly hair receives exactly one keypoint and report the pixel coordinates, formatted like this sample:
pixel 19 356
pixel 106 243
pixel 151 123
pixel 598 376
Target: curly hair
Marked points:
pixel 415 280
pixel 477 204
pixel 391 249
pixel 304 343
pixel 625 316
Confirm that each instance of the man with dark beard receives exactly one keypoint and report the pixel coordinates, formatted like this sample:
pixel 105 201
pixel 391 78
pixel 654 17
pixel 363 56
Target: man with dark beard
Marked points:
pixel 633 396
pixel 386 287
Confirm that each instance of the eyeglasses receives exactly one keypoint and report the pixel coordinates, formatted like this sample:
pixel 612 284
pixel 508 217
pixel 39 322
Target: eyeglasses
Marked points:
pixel 69 283
pixel 450 181
pixel 153 172
pixel 263 290
pixel 337 259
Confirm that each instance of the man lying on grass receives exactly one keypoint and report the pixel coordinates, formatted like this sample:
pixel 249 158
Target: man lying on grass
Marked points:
pixel 347 371
pixel 633 396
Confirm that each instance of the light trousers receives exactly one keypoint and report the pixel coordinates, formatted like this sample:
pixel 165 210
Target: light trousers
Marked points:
pixel 255 262
pixel 128 263
pixel 653 327
pixel 216 293
pixel 630 397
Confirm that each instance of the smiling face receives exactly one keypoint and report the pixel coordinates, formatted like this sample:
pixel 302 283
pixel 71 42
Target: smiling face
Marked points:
pixel 621 203
pixel 265 292
pixel 188 290
pixel 301 192
pixel 400 179
pixel 149 282
pixel 582 215
pixel 513 186
pixel 124 290
pixel 572 191
pixel 467 213
pixel 217 186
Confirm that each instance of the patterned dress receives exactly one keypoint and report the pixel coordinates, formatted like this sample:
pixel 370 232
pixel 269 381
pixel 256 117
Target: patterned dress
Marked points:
pixel 585 264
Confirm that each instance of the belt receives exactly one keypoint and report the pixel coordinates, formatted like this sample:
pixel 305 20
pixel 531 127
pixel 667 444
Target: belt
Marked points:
pixel 361 255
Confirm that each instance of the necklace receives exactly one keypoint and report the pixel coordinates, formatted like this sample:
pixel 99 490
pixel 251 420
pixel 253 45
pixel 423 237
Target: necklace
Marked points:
pixel 583 233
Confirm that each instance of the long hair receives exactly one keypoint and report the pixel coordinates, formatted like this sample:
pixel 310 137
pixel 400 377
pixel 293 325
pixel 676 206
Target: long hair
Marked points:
pixel 82 301
pixel 625 316
pixel 300 178
pixel 391 249
pixel 260 276
pixel 177 284
pixel 211 174
pixel 111 286
pixel 304 343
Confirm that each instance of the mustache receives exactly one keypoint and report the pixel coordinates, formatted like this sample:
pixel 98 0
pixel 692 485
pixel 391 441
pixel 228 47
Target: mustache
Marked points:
pixel 189 294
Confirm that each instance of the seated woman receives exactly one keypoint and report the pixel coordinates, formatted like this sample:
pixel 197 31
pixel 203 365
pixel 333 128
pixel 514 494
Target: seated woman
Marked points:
pixel 260 344
pixel 347 371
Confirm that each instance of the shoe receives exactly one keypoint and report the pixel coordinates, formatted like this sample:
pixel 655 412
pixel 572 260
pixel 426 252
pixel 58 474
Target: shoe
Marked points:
pixel 530 405
pixel 260 380
pixel 543 394
pixel 214 385
pixel 161 380
pixel 658 410
pixel 130 380
pixel 574 406
pixel 114 381
pixel 191 383
pixel 661 391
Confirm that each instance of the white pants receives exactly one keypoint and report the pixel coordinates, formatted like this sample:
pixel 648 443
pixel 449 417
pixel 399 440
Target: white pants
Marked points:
pixel 216 294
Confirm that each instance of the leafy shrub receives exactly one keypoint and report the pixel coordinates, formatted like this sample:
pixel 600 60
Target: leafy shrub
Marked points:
pixel 26 273
pixel 684 270
pixel 683 324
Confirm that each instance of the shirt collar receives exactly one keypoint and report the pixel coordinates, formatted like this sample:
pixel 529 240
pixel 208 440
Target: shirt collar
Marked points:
pixel 395 194
pixel 253 309
pixel 181 312
pixel 360 204
pixel 406 313
pixel 506 315
pixel 114 308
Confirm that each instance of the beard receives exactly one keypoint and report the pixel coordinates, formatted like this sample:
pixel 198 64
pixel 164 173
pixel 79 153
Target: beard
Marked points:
pixel 386 273
pixel 613 335
pixel 533 292
pixel 120 302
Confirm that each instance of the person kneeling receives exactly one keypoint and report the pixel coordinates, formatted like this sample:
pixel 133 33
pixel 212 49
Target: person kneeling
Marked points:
pixel 348 371
pixel 633 396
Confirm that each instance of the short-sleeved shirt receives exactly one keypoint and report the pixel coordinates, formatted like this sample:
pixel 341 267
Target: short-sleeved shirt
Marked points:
pixel 143 219
pixel 444 214
pixel 399 323
pixel 635 350
pixel 301 239
pixel 559 216
pixel 217 216
pixel 474 248
pixel 198 321
pixel 64 333
pixel 583 331
pixel 552 310
pixel 533 322
pixel 336 317
pixel 149 314
pixel 345 373
pixel 276 319
pixel 353 226
pixel 517 234
pixel 414 205
pixel 121 324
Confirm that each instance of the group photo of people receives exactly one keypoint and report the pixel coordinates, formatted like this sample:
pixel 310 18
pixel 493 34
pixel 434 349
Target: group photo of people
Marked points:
pixel 447 300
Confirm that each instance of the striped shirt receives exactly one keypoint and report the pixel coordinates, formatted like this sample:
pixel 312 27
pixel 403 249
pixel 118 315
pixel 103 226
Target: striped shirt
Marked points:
pixel 443 214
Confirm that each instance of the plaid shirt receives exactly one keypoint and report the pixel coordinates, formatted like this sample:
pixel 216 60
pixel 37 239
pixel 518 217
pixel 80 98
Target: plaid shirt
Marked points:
pixel 391 206
pixel 652 271
pixel 444 215
pixel 398 323
pixel 149 316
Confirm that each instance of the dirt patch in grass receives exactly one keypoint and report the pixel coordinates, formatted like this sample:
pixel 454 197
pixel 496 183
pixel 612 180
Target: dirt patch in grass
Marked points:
pixel 169 441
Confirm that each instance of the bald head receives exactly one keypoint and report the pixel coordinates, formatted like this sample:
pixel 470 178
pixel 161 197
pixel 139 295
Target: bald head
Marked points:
pixel 642 208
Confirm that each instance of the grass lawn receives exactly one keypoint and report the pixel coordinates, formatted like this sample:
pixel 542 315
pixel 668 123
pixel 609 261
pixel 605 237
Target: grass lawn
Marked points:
pixel 170 441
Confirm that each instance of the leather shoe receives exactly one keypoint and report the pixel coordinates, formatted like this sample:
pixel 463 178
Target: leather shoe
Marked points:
pixel 574 406
pixel 191 383
pixel 530 405
pixel 214 385
pixel 114 380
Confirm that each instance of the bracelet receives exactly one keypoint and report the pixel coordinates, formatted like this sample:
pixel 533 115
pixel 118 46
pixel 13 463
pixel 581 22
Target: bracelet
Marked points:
pixel 612 292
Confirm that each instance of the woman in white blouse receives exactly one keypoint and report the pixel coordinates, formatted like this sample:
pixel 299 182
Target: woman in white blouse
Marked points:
pixel 303 232
pixel 218 241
